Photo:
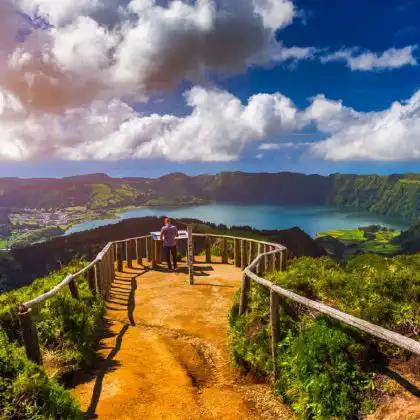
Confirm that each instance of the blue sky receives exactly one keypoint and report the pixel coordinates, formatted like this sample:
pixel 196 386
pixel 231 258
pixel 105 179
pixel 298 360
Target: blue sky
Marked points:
pixel 327 27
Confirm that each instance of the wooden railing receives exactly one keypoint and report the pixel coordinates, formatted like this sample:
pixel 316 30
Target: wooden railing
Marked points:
pixel 254 257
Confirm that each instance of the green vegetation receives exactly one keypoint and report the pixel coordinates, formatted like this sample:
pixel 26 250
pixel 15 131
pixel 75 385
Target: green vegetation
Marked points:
pixel 105 196
pixel 394 195
pixel 26 392
pixel 374 239
pixel 65 326
pixel 29 237
pixel 327 368
pixel 410 239
pixel 66 329
pixel 345 235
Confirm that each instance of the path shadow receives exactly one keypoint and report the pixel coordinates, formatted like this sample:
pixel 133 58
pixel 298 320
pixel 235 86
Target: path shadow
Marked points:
pixel 132 302
pixel 107 365
pixel 88 368
pixel 130 295
pixel 411 388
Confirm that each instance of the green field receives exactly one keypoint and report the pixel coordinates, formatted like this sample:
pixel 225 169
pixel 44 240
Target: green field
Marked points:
pixel 345 235
pixel 379 242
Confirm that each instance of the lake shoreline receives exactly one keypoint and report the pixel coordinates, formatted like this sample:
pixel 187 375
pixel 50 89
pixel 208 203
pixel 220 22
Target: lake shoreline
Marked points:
pixel 235 214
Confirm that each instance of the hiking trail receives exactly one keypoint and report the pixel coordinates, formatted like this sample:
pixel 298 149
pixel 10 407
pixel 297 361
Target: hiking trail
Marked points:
pixel 164 351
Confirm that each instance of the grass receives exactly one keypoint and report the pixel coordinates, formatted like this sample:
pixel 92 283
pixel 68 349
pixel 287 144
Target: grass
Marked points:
pixel 26 392
pixel 65 326
pixel 409 181
pixel 327 368
pixel 66 330
pixel 380 247
pixel 103 196
pixel 374 241
pixel 345 235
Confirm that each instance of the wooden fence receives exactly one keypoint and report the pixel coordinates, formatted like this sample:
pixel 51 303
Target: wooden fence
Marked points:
pixel 254 257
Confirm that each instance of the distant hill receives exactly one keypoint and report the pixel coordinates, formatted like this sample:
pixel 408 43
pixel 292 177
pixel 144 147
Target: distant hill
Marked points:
pixel 394 195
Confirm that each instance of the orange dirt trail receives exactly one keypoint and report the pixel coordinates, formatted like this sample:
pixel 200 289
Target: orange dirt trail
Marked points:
pixel 164 354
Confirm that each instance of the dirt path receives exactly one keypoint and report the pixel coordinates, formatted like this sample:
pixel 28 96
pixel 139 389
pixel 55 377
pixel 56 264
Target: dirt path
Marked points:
pixel 165 355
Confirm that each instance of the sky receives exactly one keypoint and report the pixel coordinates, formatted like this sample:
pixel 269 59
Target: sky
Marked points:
pixel 144 87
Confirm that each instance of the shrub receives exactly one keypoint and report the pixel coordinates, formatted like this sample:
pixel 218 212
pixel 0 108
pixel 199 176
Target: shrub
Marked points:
pixel 26 392
pixel 325 366
pixel 65 326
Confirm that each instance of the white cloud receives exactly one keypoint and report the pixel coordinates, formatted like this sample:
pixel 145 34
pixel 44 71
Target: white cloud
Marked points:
pixel 218 128
pixel 389 135
pixel 132 48
pixel 66 92
pixel 367 61
pixel 269 146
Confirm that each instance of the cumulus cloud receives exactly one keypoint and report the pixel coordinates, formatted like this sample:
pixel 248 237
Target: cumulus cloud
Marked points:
pixel 392 134
pixel 217 129
pixel 131 48
pixel 367 61
pixel 66 90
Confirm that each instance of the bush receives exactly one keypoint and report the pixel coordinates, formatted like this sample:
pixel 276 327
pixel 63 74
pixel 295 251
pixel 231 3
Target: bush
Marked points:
pixel 65 326
pixel 325 366
pixel 318 372
pixel 66 330
pixel 26 392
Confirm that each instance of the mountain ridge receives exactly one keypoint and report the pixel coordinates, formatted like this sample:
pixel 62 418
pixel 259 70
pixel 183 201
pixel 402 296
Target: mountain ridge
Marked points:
pixel 395 195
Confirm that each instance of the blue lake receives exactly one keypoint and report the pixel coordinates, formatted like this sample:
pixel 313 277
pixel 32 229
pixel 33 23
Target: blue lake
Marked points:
pixel 311 219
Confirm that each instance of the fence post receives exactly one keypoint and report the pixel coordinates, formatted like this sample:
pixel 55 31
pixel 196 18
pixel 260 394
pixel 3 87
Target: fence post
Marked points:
pixel 98 278
pixel 30 336
pixel 284 260
pixel 270 262
pixel 237 249
pixel 108 263
pixel 252 252
pixel 112 263
pixel 225 251
pixel 104 278
pixel 277 261
pixel 193 249
pixel 149 249
pixel 119 257
pixel 274 317
pixel 91 281
pixel 244 254
pixel 153 253
pixel 261 266
pixel 128 254
pixel 208 250
pixel 246 284
pixel 139 252
pixel 190 255
pixel 73 289
pixel 266 249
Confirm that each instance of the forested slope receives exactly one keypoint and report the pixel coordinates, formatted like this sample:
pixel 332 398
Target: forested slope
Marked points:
pixel 394 195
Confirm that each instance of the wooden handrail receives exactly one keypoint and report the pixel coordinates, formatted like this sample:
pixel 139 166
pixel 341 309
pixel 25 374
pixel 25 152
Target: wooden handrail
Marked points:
pixel 104 267
pixel 365 326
